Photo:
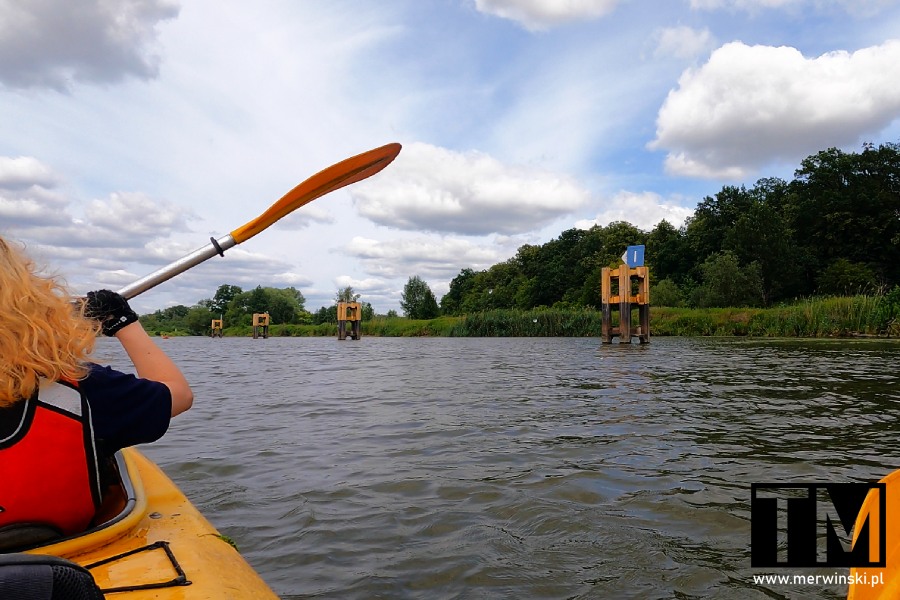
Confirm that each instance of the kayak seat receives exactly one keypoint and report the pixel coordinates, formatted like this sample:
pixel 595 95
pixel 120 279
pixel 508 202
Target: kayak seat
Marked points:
pixel 26 535
pixel 118 501
pixel 39 577
pixel 116 492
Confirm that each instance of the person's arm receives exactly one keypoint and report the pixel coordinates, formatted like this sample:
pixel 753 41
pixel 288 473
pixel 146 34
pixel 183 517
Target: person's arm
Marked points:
pixel 152 363
pixel 118 320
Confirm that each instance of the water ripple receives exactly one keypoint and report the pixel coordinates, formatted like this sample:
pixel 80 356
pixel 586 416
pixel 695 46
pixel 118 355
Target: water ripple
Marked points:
pixel 518 468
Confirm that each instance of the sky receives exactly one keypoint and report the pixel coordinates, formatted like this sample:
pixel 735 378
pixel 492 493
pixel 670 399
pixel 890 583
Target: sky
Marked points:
pixel 132 131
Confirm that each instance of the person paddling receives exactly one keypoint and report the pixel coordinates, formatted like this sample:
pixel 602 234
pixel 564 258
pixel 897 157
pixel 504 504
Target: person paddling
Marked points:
pixel 62 416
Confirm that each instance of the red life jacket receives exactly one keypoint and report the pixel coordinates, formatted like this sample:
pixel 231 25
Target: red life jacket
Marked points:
pixel 48 465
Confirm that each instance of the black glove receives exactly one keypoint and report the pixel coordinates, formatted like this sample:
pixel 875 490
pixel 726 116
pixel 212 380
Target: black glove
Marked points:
pixel 111 309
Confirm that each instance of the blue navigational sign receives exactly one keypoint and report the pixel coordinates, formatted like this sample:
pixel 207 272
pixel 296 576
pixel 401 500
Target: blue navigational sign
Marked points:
pixel 634 256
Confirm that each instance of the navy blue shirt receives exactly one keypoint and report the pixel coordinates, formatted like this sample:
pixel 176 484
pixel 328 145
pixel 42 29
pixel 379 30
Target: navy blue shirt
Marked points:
pixel 125 409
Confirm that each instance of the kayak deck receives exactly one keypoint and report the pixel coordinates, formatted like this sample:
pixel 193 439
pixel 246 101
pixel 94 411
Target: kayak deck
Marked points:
pixel 882 584
pixel 160 546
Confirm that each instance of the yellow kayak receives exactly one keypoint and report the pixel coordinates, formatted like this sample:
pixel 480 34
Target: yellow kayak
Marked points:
pixel 881 584
pixel 155 544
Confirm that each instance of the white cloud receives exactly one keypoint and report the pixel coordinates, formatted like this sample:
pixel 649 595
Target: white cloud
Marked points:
pixel 27 194
pixel 434 189
pixel 116 279
pixel 290 279
pixel 48 43
pixel 863 8
pixel 683 42
pixel 644 211
pixel 101 249
pixel 238 267
pixel 367 283
pixel 223 110
pixel 35 206
pixel 375 290
pixel 120 239
pixel 742 4
pixel 304 217
pixel 137 214
pixel 123 223
pixel 538 15
pixel 24 172
pixel 428 257
pixel 751 105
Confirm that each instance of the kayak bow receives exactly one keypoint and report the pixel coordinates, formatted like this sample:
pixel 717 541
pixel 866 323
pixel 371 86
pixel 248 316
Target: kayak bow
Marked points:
pixel 158 545
pixel 874 583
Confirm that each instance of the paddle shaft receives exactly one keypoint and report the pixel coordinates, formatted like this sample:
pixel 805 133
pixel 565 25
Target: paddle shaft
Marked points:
pixel 351 170
pixel 179 266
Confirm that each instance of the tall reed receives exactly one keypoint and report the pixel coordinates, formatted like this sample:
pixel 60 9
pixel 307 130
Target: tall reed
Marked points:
pixel 518 323
pixel 813 317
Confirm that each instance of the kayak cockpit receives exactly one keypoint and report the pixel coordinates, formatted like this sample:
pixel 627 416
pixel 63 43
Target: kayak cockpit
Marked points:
pixel 119 500
pixel 150 540
pixel 52 577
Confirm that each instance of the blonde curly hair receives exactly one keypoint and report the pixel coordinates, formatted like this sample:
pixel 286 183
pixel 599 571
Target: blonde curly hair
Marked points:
pixel 42 333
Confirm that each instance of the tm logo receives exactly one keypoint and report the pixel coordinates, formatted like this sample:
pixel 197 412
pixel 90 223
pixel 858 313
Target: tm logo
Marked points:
pixel 810 525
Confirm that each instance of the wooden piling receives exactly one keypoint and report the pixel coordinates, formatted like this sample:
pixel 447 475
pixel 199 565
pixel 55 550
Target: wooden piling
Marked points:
pixel 349 317
pixel 260 325
pixel 623 300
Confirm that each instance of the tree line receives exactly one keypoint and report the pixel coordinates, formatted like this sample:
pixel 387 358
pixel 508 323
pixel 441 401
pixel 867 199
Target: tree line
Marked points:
pixel 833 230
pixel 285 306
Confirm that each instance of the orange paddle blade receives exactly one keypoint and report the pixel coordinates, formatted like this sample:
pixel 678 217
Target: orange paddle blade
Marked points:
pixel 351 170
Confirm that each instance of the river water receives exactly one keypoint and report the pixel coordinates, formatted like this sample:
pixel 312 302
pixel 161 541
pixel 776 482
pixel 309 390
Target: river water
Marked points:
pixel 444 468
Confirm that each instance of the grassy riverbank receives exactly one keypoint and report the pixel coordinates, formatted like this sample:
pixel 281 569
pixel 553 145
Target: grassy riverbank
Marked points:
pixel 827 317
pixel 822 317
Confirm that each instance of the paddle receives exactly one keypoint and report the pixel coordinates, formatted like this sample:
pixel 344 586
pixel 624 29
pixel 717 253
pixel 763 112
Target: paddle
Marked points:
pixel 351 170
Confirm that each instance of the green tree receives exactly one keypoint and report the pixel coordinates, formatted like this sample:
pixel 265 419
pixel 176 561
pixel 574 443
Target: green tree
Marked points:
pixel 667 253
pixel 845 278
pixel 417 300
pixel 223 297
pixel 198 320
pixel 367 312
pixel 707 229
pixel 295 296
pixel 550 270
pixel 239 311
pixel 287 305
pixel 168 320
pixel 325 314
pixel 460 287
pixel 346 295
pixel 665 293
pixel 725 283
pixel 258 302
pixel 282 307
pixel 847 206
pixel 834 229
pixel 761 235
